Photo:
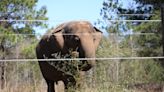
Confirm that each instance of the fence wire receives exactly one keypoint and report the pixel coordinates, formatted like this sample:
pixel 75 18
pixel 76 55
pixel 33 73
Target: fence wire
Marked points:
pixel 61 21
pixel 81 59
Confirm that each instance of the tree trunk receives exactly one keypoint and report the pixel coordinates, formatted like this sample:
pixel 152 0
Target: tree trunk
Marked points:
pixel 2 81
pixel 2 66
pixel 162 24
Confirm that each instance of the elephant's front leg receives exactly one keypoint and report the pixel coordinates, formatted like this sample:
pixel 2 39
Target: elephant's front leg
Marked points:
pixel 50 85
pixel 70 83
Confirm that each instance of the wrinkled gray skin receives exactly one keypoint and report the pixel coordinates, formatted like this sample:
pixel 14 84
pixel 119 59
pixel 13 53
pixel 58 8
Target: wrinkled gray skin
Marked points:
pixel 85 40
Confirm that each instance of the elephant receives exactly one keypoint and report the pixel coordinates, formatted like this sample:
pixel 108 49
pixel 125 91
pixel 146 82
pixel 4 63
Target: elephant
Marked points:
pixel 78 36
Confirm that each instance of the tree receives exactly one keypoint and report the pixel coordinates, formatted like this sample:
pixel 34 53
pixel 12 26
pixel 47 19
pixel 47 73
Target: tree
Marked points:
pixel 147 44
pixel 11 10
pixel 150 45
pixel 155 3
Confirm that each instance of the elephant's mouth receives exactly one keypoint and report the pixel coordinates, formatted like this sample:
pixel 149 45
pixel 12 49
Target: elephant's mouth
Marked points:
pixel 74 54
pixel 67 66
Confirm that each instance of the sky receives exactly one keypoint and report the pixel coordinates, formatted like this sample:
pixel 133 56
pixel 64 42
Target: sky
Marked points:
pixel 60 11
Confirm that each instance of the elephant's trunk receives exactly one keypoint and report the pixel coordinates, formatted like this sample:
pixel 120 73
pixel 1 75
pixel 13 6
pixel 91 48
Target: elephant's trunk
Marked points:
pixel 87 51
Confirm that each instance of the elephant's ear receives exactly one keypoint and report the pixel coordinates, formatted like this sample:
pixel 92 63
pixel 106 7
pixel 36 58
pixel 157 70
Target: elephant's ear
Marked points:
pixel 97 30
pixel 97 37
pixel 59 28
pixel 57 35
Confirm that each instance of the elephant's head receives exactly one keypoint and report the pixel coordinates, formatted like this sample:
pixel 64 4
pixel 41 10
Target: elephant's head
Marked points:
pixel 78 36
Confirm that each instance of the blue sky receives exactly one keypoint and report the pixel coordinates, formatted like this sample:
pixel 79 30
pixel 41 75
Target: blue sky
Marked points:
pixel 66 10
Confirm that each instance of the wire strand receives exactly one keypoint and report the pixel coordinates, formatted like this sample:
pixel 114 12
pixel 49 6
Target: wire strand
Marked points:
pixel 82 34
pixel 55 20
pixel 75 59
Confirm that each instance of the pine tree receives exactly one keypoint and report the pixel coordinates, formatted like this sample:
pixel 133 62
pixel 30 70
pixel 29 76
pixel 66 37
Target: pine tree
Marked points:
pixel 10 11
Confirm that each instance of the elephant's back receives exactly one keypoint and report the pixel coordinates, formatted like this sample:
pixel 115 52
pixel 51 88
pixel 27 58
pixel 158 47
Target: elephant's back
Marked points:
pixel 78 27
pixel 78 24
pixel 69 25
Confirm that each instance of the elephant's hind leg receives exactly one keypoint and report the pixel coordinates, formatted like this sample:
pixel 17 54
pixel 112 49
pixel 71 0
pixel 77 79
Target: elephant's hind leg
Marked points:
pixel 50 85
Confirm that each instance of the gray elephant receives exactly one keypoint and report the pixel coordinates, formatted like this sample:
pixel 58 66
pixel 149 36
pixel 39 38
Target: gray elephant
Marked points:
pixel 78 36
